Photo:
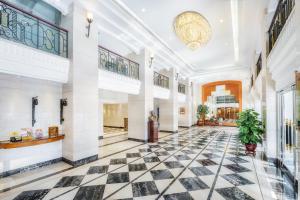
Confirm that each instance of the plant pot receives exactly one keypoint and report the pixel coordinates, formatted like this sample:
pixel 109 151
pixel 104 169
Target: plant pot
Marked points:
pixel 250 148
pixel 200 123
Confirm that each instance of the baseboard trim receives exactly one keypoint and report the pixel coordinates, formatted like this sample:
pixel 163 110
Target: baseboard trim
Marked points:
pixel 168 131
pixel 185 126
pixel 100 137
pixel 114 126
pixel 81 161
pixel 137 140
pixel 29 167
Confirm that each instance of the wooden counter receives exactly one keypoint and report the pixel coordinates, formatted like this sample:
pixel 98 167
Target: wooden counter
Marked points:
pixel 28 143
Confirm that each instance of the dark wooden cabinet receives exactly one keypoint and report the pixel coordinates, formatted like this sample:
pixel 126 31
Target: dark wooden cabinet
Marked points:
pixel 152 131
pixel 126 124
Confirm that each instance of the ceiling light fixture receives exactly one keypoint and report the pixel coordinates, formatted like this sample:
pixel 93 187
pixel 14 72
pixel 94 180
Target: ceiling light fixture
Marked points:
pixel 221 20
pixel 192 29
pixel 143 9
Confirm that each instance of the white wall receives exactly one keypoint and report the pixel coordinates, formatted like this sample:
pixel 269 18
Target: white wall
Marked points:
pixel 182 117
pixel 15 113
pixel 15 103
pixel 114 114
pixel 111 97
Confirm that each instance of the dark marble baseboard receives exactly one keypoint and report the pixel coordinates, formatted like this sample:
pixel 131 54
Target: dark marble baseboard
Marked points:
pixel 137 140
pixel 81 161
pixel 168 131
pixel 185 126
pixel 29 167
pixel 114 126
pixel 100 138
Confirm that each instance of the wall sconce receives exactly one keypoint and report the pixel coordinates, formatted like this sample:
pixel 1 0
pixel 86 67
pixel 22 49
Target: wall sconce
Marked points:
pixel 151 60
pixel 89 18
pixel 63 102
pixel 35 102
pixel 177 76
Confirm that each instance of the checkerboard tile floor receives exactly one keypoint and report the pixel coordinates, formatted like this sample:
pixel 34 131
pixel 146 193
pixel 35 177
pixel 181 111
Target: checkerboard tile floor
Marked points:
pixel 199 163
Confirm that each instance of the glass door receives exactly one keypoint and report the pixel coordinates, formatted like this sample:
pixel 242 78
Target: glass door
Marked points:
pixel 287 134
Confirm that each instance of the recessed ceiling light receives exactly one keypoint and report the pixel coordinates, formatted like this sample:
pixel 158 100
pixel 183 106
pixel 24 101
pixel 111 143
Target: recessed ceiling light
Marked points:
pixel 143 9
pixel 221 20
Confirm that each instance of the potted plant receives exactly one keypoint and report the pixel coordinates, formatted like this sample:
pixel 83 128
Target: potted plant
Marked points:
pixel 202 110
pixel 250 129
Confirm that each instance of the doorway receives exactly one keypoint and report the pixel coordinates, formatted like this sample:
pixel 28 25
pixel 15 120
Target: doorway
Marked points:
pixel 286 127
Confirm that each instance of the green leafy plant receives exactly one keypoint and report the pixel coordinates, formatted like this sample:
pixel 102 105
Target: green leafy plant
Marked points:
pixel 250 127
pixel 202 110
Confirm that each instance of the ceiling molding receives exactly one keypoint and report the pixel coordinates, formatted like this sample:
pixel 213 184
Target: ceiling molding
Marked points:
pixel 235 28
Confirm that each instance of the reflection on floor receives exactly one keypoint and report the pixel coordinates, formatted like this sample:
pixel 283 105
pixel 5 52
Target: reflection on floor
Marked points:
pixel 199 163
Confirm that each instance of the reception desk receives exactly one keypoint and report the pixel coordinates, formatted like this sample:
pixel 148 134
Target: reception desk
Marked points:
pixel 16 157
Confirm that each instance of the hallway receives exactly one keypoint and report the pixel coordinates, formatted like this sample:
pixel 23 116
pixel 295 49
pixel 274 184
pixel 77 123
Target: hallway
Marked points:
pixel 198 163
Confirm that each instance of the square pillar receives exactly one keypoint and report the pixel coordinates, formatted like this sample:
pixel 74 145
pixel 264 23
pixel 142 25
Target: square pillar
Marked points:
pixel 185 120
pixel 81 125
pixel 169 108
pixel 140 106
pixel 101 116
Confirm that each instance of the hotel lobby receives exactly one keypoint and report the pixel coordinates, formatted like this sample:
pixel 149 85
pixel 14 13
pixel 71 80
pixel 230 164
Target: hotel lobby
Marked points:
pixel 140 99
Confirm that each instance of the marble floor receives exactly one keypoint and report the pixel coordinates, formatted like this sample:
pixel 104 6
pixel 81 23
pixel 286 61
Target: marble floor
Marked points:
pixel 198 163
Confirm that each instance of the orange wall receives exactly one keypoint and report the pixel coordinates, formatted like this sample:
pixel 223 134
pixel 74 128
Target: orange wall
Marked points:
pixel 235 88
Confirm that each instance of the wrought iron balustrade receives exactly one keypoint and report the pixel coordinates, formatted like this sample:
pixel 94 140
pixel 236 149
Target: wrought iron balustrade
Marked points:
pixel 181 88
pixel 20 26
pixel 282 13
pixel 114 62
pixel 161 80
pixel 258 65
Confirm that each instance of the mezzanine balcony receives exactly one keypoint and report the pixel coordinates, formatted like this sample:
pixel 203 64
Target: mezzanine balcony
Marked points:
pixel 117 73
pixel 31 46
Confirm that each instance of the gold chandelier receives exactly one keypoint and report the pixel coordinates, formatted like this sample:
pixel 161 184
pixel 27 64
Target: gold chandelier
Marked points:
pixel 192 29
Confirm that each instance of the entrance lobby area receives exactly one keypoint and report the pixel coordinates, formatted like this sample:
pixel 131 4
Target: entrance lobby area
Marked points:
pixel 197 163
pixel 149 99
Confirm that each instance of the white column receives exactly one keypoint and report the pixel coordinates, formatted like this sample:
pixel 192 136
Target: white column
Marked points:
pixel 140 106
pixel 197 100
pixel 101 115
pixel 81 125
pixel 271 120
pixel 185 119
pixel 169 108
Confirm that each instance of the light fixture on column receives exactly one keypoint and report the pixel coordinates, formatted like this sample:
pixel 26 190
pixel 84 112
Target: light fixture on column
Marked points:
pixel 89 18
pixel 177 76
pixel 151 59
pixel 63 102
pixel 35 102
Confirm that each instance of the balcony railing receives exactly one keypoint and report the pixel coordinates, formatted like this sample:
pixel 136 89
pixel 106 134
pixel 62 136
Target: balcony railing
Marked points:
pixel 258 65
pixel 282 13
pixel 20 26
pixel 161 80
pixel 114 62
pixel 251 82
pixel 181 88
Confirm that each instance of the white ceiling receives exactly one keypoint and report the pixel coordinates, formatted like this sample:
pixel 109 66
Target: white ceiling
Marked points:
pixel 138 24
pixel 159 16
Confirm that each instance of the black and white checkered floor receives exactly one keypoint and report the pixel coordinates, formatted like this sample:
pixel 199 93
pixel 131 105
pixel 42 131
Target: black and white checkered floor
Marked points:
pixel 200 163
